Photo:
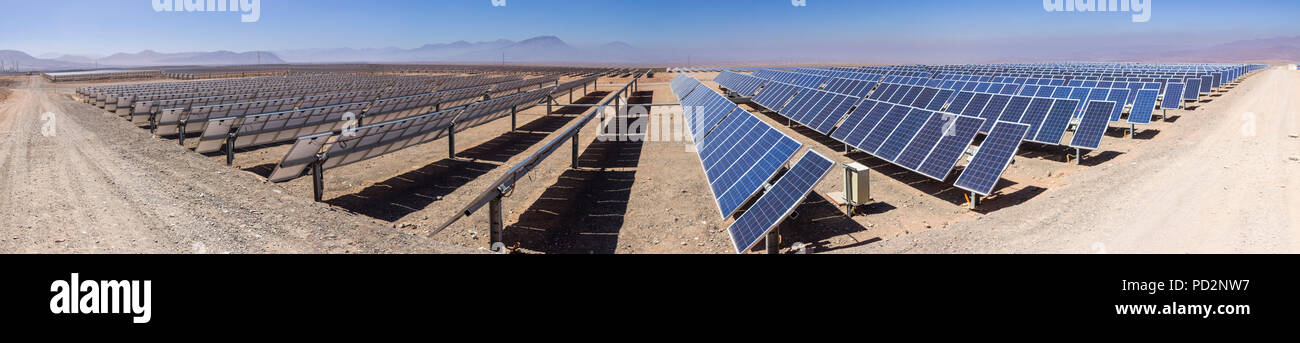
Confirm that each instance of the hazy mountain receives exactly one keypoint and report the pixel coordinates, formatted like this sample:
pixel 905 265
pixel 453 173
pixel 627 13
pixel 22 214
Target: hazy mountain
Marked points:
pixel 153 58
pixel 26 62
pixel 538 49
pixel 426 53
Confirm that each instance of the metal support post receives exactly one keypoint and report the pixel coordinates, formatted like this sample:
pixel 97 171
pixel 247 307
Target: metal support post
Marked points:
pixel 318 179
pixel 496 225
pixel 1078 156
pixel 451 141
pixel 181 129
pixel 773 242
pixel 230 149
pixel 574 165
pixel 514 120
pixel 974 200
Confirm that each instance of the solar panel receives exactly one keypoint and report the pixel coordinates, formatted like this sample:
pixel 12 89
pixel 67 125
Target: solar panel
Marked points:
pixel 924 98
pixel 368 142
pixel 1207 84
pixel 940 100
pixel 1015 109
pixel 959 103
pixel 959 132
pixel 1058 119
pixel 995 154
pixel 993 111
pixel 1173 96
pixel 825 120
pixel 1144 108
pixel 903 134
pixel 1093 125
pixel 1193 90
pixel 852 121
pixel 870 121
pixel 884 129
pixel 1119 96
pixel 976 105
pixel 777 204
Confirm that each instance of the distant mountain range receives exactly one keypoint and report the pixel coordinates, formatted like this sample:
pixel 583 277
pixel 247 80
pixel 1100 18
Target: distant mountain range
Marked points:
pixel 532 50
pixel 153 58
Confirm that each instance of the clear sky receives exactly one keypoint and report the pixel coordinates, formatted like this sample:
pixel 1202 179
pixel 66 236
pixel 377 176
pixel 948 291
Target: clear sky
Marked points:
pixel 774 28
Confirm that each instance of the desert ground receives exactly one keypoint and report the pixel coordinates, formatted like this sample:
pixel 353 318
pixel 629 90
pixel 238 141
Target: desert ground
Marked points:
pixel 1196 182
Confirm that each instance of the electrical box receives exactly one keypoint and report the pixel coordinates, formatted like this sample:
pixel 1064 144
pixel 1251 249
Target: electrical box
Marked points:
pixel 857 184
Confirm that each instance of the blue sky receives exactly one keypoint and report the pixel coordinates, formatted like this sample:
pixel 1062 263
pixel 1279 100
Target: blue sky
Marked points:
pixel 683 27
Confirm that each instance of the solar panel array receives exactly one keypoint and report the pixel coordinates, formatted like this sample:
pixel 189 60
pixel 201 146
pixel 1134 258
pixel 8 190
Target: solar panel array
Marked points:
pixel 344 147
pixel 738 151
pixel 777 204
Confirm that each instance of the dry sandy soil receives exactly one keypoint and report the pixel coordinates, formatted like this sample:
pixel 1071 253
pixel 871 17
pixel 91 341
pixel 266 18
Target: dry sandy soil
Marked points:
pixel 87 182
pixel 1193 183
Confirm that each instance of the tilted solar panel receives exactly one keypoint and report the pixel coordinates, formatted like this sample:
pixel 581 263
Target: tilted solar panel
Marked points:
pixel 1192 92
pixel 959 132
pixel 940 100
pixel 976 105
pixel 777 204
pixel 903 134
pixel 981 176
pixel 884 129
pixel 364 143
pixel 1173 97
pixel 852 121
pixel 870 120
pixel 1117 95
pixel 1015 109
pixel 1057 121
pixel 1092 127
pixel 993 111
pixel 925 140
pixel 1144 108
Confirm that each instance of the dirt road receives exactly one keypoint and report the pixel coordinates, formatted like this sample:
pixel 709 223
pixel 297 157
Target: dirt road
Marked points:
pixel 75 179
pixel 1222 180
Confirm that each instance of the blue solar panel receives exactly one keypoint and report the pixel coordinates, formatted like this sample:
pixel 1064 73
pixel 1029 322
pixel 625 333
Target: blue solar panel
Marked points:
pixel 1207 84
pixel 877 137
pixel 976 105
pixel 959 103
pixel 745 168
pixel 1029 90
pixel 1063 92
pixel 1144 108
pixel 832 113
pixel 1173 97
pixel 1046 91
pixel 1193 90
pixel 1118 95
pixel 853 120
pixel 1093 125
pixel 1098 94
pixel 1015 109
pixel 1080 94
pixel 777 204
pixel 995 154
pixel 993 111
pixel 1058 119
pixel 958 133
pixel 911 96
pixel 898 96
pixel 924 98
pixel 940 100
pixel 924 141
pixel 869 122
pixel 903 134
